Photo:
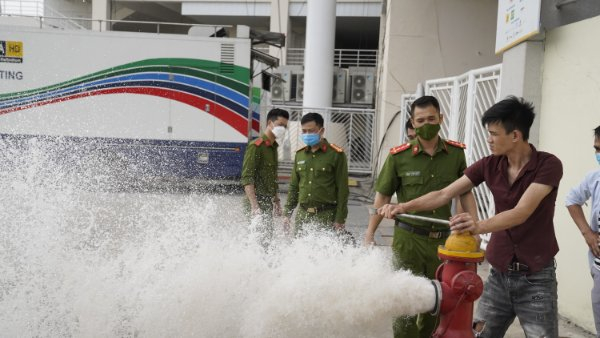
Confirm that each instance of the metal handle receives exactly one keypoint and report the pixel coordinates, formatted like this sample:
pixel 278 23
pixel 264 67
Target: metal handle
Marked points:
pixel 373 211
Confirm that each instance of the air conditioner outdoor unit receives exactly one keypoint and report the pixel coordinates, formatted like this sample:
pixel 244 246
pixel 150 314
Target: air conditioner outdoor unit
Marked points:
pixel 340 85
pixel 281 85
pixel 362 81
pixel 299 75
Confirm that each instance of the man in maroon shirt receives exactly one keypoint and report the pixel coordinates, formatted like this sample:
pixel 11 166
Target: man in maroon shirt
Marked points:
pixel 524 183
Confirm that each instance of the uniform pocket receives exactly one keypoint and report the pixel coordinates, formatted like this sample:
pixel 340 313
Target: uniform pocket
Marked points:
pixel 300 168
pixel 323 170
pixel 412 180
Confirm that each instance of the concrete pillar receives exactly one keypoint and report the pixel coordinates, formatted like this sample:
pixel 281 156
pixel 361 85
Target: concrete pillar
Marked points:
pixel 100 11
pixel 318 55
pixel 280 23
pixel 522 77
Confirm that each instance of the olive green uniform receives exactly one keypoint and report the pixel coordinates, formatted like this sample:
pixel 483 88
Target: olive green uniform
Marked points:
pixel 319 185
pixel 410 173
pixel 260 169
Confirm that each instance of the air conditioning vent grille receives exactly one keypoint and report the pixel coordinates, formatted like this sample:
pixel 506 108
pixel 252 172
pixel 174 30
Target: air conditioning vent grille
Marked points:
pixel 227 58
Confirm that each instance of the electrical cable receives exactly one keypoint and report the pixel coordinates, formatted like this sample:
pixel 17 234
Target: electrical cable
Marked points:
pixel 383 139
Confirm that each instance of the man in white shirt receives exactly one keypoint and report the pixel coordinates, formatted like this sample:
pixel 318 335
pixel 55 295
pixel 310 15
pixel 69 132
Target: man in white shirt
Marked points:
pixel 590 188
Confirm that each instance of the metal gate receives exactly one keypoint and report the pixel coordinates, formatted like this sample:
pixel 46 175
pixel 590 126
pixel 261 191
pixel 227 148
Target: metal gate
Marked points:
pixel 351 129
pixel 463 100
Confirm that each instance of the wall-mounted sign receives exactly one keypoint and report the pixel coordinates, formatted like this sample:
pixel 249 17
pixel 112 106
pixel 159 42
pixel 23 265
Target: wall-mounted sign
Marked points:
pixel 518 20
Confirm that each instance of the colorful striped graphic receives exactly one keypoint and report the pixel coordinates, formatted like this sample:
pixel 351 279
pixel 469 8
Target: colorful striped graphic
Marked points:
pixel 194 82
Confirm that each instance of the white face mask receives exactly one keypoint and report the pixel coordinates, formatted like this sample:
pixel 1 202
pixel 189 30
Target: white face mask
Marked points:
pixel 278 131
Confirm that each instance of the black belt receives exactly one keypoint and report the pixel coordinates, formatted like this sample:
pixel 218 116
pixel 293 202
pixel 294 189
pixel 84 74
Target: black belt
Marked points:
pixel 518 267
pixel 317 209
pixel 423 232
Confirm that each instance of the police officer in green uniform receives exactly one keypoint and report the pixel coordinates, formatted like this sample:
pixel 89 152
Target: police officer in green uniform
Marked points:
pixel 319 182
pixel 259 173
pixel 425 164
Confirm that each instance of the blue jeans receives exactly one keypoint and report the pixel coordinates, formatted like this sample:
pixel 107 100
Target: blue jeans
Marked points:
pixel 596 299
pixel 532 298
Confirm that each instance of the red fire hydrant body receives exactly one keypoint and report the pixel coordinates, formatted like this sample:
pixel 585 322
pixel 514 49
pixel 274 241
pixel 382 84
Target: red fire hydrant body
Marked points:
pixel 460 287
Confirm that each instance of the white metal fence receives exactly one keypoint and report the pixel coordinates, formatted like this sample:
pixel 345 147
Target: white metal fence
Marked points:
pixel 341 57
pixel 463 100
pixel 41 12
pixel 351 129
pixel 22 7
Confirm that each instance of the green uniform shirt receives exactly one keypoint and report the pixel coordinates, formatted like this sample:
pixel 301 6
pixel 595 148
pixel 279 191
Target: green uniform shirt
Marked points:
pixel 320 178
pixel 260 166
pixel 410 173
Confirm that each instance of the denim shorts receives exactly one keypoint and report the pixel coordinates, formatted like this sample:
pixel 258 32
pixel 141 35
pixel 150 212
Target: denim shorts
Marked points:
pixel 530 297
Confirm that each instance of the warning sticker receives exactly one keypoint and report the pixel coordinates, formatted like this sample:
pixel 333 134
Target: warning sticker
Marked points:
pixel 11 51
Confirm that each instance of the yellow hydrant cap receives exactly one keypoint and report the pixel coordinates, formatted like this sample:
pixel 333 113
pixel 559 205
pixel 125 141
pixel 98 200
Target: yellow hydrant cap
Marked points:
pixel 461 245
pixel 461 242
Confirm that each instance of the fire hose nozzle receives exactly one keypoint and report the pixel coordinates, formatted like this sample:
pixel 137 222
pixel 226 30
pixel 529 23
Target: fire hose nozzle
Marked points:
pixel 437 287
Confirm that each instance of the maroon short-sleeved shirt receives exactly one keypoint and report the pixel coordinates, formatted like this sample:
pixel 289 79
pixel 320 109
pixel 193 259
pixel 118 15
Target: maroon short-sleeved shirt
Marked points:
pixel 533 242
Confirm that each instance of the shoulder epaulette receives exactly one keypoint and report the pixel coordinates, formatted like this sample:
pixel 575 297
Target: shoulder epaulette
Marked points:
pixel 398 149
pixel 303 148
pixel 260 141
pixel 336 148
pixel 456 144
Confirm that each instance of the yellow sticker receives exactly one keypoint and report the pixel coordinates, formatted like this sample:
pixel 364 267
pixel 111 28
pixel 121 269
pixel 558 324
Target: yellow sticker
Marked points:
pixel 14 49
pixel 11 51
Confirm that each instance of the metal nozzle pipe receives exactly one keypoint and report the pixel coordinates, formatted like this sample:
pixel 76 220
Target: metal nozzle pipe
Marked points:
pixel 373 211
pixel 437 287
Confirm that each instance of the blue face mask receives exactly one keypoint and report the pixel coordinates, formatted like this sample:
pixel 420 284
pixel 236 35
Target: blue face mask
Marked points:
pixel 598 157
pixel 311 139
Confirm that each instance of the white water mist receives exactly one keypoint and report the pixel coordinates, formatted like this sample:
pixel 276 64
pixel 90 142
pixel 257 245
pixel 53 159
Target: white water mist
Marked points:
pixel 80 262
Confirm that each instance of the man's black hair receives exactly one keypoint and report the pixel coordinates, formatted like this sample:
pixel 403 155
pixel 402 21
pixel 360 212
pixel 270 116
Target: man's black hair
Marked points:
pixel 312 117
pixel 424 102
pixel 597 132
pixel 408 125
pixel 276 113
pixel 512 113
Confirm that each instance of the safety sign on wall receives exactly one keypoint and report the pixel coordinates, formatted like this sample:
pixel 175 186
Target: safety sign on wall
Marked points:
pixel 518 20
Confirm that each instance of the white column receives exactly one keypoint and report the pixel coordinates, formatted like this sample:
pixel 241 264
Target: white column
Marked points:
pixel 522 77
pixel 318 55
pixel 100 10
pixel 280 23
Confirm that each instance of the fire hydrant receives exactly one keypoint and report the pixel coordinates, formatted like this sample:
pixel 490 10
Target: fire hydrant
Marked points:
pixel 457 286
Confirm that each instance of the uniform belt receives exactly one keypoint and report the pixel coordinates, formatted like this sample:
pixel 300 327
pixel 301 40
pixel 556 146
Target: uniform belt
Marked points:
pixel 518 267
pixel 316 209
pixel 423 232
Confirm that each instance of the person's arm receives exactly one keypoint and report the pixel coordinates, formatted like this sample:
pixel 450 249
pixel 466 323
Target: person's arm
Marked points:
pixel 248 174
pixel 467 204
pixel 574 201
pixel 591 238
pixel 251 194
pixel 276 206
pixel 430 201
pixel 342 190
pixel 292 198
pixel 530 200
pixel 385 188
pixel 374 218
